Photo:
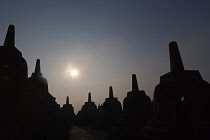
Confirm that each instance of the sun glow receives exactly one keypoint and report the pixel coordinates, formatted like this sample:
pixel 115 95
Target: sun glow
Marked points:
pixel 74 72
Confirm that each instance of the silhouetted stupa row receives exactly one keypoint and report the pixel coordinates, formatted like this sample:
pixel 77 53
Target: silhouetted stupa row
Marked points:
pixel 179 111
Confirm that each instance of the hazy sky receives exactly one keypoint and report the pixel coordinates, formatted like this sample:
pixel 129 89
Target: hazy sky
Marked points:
pixel 108 41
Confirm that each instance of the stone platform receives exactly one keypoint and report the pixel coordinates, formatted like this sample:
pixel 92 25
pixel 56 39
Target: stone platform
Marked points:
pixel 86 133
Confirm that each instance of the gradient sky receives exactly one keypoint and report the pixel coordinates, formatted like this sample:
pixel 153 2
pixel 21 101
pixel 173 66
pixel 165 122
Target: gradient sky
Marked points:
pixel 108 41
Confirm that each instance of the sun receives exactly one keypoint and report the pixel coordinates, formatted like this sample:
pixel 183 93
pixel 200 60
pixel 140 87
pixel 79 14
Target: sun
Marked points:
pixel 74 73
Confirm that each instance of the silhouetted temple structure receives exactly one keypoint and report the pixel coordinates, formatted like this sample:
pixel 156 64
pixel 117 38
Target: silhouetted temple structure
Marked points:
pixel 28 110
pixel 68 113
pixel 86 116
pixel 112 109
pixel 137 111
pixel 109 112
pixel 13 65
pixel 99 122
pixel 100 107
pixel 38 81
pixel 181 104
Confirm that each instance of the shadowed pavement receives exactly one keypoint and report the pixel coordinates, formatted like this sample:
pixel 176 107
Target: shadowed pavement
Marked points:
pixel 87 134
